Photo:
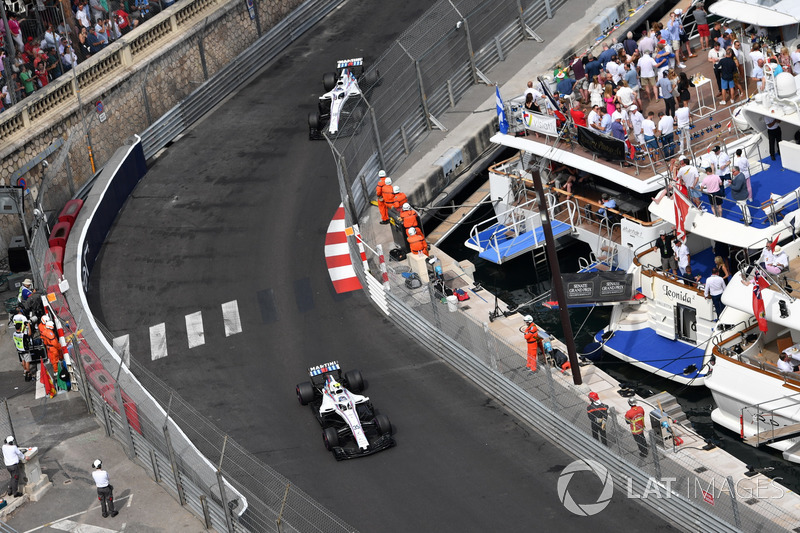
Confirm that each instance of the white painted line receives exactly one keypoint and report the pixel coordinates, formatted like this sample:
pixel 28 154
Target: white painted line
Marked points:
pixel 93 508
pixel 158 341
pixel 337 249
pixel 130 501
pixel 337 224
pixel 194 329
pixel 39 386
pixel 342 272
pixel 75 527
pixel 230 317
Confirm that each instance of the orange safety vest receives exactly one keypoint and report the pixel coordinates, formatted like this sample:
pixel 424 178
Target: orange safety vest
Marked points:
pixel 379 189
pixel 399 199
pixel 410 219
pixel 532 333
pixel 635 417
pixel 418 244
pixel 388 194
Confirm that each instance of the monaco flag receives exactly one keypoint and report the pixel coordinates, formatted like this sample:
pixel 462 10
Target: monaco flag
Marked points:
pixel 759 283
pixel 681 203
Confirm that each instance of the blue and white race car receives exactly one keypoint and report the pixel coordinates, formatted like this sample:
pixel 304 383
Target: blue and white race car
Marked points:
pixel 350 426
pixel 339 87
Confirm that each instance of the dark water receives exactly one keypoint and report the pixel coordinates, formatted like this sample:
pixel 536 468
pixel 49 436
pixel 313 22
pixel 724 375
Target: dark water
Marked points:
pixel 518 284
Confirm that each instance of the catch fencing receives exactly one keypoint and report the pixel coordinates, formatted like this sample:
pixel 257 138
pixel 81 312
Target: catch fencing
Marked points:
pixel 424 73
pixel 671 482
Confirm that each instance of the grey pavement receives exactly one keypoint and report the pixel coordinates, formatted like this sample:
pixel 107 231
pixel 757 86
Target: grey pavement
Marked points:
pixel 69 440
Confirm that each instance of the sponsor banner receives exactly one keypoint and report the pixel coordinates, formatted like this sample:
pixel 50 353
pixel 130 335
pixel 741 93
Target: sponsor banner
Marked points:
pixel 603 145
pixel 540 123
pixel 597 287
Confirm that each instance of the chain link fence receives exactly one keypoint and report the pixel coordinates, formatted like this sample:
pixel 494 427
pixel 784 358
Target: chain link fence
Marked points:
pixel 423 74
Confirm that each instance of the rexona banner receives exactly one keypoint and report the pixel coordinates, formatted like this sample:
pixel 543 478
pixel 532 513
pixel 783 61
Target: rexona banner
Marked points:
pixel 605 146
pixel 597 287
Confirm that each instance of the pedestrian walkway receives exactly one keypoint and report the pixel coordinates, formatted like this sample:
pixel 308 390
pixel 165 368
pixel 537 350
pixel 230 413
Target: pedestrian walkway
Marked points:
pixel 69 439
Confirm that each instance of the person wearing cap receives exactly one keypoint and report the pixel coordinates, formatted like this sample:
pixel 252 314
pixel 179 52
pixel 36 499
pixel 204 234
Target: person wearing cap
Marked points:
pixel 635 417
pixel 565 85
pixel 662 59
pixel 607 203
pixel 105 490
pixel 382 208
pixel 12 457
pixel 50 340
pixel 617 129
pixel 714 56
pixel 666 253
pixel 674 28
pixel 777 262
pixel 597 412
pixel 701 18
pixel 531 334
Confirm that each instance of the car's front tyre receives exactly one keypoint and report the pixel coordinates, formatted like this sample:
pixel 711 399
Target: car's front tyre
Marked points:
pixel 331 438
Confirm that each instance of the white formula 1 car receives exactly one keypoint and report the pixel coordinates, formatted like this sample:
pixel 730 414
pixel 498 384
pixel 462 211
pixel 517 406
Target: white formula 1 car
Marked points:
pixel 350 426
pixel 339 86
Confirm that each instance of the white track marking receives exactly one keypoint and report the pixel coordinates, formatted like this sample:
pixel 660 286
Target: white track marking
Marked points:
pixel 158 341
pixel 122 345
pixel 75 527
pixel 194 329
pixel 39 386
pixel 230 316
pixel 93 508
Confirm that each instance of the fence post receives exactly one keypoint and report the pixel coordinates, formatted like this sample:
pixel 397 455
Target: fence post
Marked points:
pixel 107 420
pixel 616 432
pixel 377 135
pixel 548 8
pixel 521 19
pixel 654 449
pixel 202 49
pixel 734 503
pixel 472 66
pixel 423 97
pixel 221 481
pixel 123 414
pixel 156 473
pixel 173 463
pixel 78 363
pixel 257 17
pixel 206 516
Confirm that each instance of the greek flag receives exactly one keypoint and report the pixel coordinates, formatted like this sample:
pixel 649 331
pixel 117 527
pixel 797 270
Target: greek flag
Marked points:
pixel 501 113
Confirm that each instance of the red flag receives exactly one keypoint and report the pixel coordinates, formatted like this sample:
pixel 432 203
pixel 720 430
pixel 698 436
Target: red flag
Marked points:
pixel 759 283
pixel 681 205
pixel 47 381
pixel 774 243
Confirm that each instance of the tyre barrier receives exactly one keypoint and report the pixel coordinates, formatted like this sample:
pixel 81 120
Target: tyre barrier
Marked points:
pixel 59 235
pixel 70 211
pixel 56 264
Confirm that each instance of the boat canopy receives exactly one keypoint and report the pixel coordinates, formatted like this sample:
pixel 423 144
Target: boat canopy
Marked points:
pixel 784 13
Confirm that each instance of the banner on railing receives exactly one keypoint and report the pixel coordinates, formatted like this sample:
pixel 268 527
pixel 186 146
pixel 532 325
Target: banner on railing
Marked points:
pixel 602 145
pixel 540 123
pixel 597 287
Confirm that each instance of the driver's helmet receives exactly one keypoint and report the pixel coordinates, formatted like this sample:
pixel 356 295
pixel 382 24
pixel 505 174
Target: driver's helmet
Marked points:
pixel 336 387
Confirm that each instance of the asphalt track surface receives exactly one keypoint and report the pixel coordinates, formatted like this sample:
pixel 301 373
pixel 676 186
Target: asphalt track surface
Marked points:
pixel 237 210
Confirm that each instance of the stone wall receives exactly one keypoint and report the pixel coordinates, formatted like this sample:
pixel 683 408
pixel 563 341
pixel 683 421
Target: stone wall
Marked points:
pixel 155 69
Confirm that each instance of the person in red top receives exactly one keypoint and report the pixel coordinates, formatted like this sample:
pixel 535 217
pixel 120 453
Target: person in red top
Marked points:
pixel 578 116
pixel 41 74
pixel 635 417
pixel 531 333
pixel 379 193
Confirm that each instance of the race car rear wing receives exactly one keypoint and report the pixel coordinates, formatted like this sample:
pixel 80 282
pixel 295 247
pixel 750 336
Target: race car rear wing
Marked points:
pixel 346 63
pixel 324 368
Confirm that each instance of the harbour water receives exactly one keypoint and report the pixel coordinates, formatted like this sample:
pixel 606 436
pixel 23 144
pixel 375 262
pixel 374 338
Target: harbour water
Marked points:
pixel 518 284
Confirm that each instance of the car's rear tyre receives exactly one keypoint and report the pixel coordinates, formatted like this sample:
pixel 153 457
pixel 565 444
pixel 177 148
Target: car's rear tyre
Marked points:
pixel 305 393
pixel 328 81
pixel 355 381
pixel 371 78
pixel 383 424
pixel 314 120
pixel 331 438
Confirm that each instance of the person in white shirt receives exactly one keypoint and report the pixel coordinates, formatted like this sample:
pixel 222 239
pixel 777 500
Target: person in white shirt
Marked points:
pixel 665 128
pixel 637 123
pixel 684 121
pixel 649 132
pixel 739 160
pixel 715 286
pixel 722 163
pixel 613 68
pixel 647 74
pixel 105 491
pixel 690 177
pixel 775 262
pixel 757 75
pixel 683 257
pixel 532 90
pixel 593 119
pixel 785 363
pixel 12 458
pixel 795 56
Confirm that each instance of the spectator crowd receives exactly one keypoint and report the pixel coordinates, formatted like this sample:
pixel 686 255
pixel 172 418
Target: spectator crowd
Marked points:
pixel 42 45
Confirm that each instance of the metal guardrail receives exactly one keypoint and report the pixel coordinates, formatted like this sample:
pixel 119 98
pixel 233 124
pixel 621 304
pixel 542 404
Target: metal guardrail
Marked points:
pixel 245 67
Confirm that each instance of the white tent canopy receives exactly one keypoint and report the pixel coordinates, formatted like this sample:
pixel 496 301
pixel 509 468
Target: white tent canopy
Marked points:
pixel 783 13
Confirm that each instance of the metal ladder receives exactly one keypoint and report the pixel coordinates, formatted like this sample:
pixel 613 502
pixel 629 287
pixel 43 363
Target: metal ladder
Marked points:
pixel 607 249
